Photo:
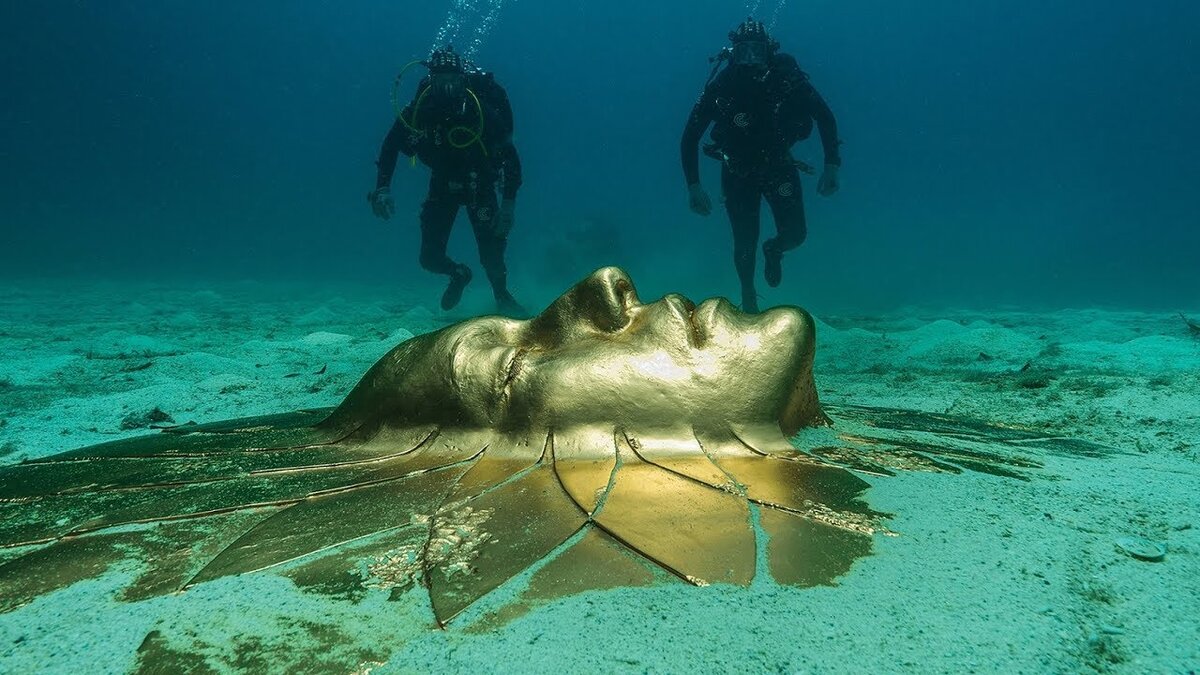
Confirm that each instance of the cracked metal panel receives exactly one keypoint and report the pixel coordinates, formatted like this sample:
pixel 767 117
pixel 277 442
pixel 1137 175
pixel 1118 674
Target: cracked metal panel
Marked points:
pixel 584 459
pixel 495 536
pixel 804 552
pixel 700 533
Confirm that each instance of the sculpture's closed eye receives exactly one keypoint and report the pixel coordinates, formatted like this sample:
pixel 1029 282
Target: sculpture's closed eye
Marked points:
pixel 515 363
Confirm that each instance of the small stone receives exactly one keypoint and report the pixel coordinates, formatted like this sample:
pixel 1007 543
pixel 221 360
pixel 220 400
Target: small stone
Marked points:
pixel 143 420
pixel 1142 549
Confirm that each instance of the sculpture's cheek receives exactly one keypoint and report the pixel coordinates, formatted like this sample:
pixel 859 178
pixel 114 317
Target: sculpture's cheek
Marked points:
pixel 564 391
pixel 652 388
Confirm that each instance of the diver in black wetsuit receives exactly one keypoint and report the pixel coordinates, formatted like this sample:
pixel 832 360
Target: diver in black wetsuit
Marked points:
pixel 760 104
pixel 459 124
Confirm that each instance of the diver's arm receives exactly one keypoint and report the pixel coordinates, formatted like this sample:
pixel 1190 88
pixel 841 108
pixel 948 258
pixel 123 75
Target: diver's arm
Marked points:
pixel 503 107
pixel 826 127
pixel 829 182
pixel 510 164
pixel 506 153
pixel 689 146
pixel 399 139
pixel 698 121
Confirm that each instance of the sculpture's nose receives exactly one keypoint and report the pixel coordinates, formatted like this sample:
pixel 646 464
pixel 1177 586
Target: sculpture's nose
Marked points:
pixel 606 297
pixel 600 302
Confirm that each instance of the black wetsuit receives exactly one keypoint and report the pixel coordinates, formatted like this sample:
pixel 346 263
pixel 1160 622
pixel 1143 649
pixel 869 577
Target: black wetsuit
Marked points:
pixel 460 176
pixel 756 119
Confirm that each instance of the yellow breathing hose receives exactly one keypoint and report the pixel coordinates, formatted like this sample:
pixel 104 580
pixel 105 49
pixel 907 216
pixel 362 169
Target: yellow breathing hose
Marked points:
pixel 473 135
pixel 476 136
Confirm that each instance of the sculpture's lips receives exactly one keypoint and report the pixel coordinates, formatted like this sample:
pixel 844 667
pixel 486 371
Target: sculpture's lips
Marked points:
pixel 700 319
pixel 697 335
pixel 705 315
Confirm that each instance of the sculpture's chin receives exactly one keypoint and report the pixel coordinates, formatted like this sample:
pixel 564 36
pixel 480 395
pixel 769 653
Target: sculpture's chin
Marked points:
pixel 803 408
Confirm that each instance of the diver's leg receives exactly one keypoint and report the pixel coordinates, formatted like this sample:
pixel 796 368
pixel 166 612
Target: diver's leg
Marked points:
pixel 482 210
pixel 742 202
pixel 437 218
pixel 787 206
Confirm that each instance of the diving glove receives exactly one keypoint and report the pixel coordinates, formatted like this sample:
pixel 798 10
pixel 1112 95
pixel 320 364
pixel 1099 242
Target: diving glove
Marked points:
pixel 505 217
pixel 828 184
pixel 698 200
pixel 381 202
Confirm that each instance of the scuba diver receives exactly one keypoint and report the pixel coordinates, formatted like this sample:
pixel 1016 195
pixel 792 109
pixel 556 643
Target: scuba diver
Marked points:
pixel 460 125
pixel 760 104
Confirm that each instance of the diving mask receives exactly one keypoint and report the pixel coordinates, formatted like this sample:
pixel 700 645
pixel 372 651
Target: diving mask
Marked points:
pixel 750 53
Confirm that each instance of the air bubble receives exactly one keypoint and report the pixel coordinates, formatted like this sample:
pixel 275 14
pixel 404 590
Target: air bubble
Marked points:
pixel 469 21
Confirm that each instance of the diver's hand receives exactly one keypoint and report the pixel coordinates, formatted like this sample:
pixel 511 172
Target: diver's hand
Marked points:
pixel 698 200
pixel 505 217
pixel 828 184
pixel 381 202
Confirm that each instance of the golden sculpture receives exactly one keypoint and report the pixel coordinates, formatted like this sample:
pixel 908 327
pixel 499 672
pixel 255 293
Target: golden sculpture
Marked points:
pixel 605 441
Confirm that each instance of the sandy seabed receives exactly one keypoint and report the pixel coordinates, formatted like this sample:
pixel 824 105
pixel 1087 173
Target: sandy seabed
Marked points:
pixel 987 574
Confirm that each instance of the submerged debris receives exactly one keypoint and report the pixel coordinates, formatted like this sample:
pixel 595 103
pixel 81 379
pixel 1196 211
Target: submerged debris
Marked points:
pixel 1142 549
pixel 454 544
pixel 143 420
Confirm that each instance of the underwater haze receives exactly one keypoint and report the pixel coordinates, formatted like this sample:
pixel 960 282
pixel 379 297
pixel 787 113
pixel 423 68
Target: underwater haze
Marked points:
pixel 1029 153
pixel 999 468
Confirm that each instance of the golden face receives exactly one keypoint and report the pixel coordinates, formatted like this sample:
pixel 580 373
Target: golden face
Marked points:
pixel 599 355
pixel 464 457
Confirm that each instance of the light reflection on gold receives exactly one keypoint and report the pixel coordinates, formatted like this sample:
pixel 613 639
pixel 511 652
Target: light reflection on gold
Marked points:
pixel 702 534
pixel 466 456
pixel 584 460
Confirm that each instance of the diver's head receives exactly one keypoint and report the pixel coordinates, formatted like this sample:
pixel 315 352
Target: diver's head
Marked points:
pixel 752 46
pixel 447 74
pixel 445 60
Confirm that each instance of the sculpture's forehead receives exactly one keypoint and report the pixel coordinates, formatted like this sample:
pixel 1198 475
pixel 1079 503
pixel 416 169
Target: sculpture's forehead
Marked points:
pixel 479 333
pixel 485 332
